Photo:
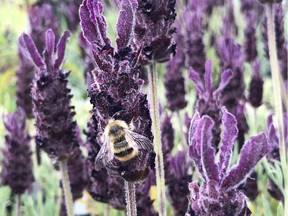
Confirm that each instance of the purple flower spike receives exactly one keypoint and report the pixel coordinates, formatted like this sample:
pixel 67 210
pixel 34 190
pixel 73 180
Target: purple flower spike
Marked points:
pixel 252 151
pixel 56 130
pixel 218 194
pixel 25 75
pixel 17 164
pixel 125 24
pixel 93 23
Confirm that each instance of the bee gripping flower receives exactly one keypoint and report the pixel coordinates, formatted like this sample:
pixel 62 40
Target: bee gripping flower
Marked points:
pixel 218 194
pixel 56 130
pixel 17 164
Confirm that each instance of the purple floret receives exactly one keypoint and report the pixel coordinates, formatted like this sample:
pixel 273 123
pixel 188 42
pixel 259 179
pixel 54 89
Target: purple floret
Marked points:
pixel 218 194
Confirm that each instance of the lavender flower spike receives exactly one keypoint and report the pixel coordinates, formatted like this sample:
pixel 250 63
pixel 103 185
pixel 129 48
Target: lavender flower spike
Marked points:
pixel 56 130
pixel 17 163
pixel 218 195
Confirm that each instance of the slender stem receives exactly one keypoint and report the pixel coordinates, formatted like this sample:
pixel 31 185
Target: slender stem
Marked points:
pixel 130 194
pixel 183 138
pixel 255 120
pixel 66 187
pixel 18 205
pixel 276 80
pixel 154 111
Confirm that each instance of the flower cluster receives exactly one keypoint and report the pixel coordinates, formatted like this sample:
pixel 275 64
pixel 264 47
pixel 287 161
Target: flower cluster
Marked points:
pixel 115 89
pixel 218 193
pixel 56 130
pixel 154 30
pixel 17 164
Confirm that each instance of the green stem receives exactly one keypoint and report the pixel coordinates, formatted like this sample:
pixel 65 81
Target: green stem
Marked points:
pixel 130 194
pixel 276 80
pixel 18 205
pixel 66 187
pixel 107 210
pixel 154 111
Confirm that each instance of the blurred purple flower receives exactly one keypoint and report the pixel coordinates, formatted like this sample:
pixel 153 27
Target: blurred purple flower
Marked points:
pixel 154 30
pixel 25 75
pixel 17 167
pixel 42 16
pixel 218 194
pixel 178 183
pixel 250 45
pixel 207 102
pixel 70 10
pixel 174 81
pixel 195 50
pixel 256 86
pixel 56 130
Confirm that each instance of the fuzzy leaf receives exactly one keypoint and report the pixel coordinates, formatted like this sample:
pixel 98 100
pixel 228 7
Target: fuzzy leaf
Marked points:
pixel 93 23
pixel 29 47
pixel 210 168
pixel 229 135
pixel 61 47
pixel 125 24
pixel 252 151
pixel 50 42
pixel 194 149
pixel 194 76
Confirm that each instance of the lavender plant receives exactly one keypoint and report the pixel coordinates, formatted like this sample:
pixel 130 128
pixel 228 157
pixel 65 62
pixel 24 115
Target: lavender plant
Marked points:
pixel 56 130
pixel 17 164
pixel 218 193
pixel 115 91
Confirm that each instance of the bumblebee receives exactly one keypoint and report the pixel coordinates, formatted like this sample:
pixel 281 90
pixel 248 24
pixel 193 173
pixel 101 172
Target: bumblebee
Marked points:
pixel 121 143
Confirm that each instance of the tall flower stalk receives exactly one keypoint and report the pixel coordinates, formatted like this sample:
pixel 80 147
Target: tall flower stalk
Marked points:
pixel 276 80
pixel 56 130
pixel 153 37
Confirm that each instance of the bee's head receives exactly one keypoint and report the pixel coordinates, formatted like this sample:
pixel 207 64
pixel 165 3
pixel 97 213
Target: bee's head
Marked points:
pixel 115 129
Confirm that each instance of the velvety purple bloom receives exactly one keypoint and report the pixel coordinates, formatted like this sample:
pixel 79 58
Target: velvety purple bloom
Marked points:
pixel 178 182
pixel 42 16
pixel 154 30
pixel 207 102
pixel 195 50
pixel 218 194
pixel 56 130
pixel 17 167
pixel 256 86
pixel 25 75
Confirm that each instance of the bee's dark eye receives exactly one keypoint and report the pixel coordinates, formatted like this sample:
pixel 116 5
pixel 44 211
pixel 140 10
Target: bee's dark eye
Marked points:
pixel 115 129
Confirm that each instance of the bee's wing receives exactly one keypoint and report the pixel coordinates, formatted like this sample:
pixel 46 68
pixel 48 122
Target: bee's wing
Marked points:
pixel 138 141
pixel 104 155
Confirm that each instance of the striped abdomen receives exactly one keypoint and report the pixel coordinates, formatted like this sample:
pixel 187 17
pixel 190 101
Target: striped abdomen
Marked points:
pixel 122 150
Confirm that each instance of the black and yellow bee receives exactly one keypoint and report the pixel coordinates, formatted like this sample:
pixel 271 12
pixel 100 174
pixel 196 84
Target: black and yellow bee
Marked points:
pixel 121 143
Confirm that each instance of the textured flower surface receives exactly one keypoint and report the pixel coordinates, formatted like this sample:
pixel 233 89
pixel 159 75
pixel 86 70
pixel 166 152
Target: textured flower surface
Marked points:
pixel 154 30
pixel 56 130
pixel 256 86
pixel 115 91
pixel 218 194
pixel 17 162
